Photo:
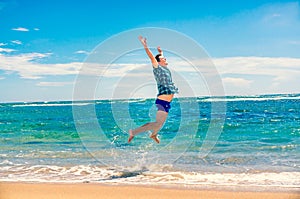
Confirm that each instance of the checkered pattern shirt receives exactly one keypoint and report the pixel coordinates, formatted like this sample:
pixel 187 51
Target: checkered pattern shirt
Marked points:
pixel 164 82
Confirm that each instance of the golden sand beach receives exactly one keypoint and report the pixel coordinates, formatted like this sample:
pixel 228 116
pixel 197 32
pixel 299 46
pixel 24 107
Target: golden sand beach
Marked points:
pixel 96 191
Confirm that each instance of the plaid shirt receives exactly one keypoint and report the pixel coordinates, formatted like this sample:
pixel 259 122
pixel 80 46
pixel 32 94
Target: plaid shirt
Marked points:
pixel 164 82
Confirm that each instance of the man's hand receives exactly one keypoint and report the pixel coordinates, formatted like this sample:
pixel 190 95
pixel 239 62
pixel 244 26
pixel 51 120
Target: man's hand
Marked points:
pixel 159 49
pixel 143 41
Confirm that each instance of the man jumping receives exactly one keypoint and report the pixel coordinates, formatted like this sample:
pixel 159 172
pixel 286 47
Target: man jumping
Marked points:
pixel 166 91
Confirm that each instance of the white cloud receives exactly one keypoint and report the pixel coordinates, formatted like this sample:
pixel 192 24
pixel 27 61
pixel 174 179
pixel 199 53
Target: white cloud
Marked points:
pixel 21 29
pixel 238 86
pixel 54 84
pixel 36 29
pixel 6 50
pixel 81 52
pixel 237 82
pixel 272 66
pixel 3 44
pixel 240 75
pixel 256 66
pixel 18 42
pixel 245 75
pixel 27 66
pixel 264 74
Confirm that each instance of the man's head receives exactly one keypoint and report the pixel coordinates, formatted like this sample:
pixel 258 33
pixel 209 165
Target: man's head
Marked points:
pixel 161 60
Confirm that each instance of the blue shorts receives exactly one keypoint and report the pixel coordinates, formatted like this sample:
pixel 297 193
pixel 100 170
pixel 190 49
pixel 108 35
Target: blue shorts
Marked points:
pixel 163 105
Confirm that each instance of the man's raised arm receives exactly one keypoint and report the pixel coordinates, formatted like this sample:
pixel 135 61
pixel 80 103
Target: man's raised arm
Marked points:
pixel 148 51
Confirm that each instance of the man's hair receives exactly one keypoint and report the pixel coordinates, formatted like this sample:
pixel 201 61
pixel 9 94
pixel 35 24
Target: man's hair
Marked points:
pixel 157 57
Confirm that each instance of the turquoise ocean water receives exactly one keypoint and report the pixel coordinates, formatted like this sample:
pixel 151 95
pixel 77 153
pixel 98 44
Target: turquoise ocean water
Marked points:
pixel 258 147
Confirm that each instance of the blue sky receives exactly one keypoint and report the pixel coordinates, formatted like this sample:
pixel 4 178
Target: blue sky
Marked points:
pixel 254 45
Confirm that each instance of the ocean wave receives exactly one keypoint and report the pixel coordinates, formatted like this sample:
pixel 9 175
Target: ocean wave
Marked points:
pixel 165 175
pixel 247 98
pixel 50 104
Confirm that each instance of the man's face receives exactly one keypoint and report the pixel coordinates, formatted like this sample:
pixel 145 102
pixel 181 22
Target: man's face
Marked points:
pixel 163 61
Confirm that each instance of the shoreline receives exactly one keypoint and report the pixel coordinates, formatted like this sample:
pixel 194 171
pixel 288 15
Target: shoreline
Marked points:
pixel 24 190
pixel 171 186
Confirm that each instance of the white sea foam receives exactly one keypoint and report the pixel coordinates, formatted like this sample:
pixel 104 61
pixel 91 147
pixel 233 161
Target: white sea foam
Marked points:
pixel 258 98
pixel 146 176
pixel 51 104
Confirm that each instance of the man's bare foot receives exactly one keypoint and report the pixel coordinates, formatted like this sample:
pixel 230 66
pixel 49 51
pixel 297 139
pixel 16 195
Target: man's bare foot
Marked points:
pixel 131 136
pixel 155 138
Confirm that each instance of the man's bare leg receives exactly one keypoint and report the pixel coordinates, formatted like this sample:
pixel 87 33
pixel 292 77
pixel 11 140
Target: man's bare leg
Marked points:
pixel 161 117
